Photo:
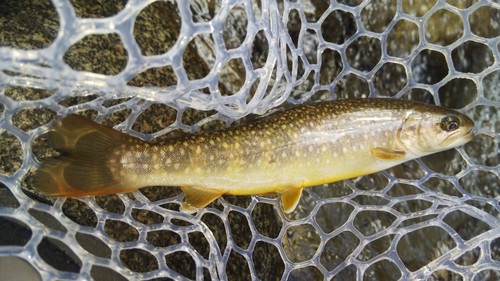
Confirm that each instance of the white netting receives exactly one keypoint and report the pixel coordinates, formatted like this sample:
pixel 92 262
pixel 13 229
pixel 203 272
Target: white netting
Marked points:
pixel 151 67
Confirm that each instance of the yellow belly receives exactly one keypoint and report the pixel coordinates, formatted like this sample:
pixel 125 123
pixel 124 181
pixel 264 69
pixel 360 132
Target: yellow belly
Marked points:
pixel 241 178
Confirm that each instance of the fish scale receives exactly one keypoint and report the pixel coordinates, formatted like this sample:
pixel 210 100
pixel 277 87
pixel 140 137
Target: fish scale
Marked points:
pixel 281 153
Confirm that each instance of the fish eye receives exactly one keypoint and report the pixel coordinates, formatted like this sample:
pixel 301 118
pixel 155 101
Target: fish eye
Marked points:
pixel 450 123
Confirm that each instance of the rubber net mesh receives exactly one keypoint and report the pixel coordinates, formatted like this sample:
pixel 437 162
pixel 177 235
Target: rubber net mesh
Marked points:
pixel 150 68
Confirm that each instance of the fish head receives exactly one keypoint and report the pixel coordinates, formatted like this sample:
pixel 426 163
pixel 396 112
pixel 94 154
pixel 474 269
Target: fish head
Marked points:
pixel 428 129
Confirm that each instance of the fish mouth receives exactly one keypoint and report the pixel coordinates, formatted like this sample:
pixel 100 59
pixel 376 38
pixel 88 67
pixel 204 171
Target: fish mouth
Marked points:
pixel 471 133
pixel 460 139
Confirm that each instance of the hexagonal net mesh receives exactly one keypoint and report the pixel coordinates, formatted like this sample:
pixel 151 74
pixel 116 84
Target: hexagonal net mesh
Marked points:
pixel 150 68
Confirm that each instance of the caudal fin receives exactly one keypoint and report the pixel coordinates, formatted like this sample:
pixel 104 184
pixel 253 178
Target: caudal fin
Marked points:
pixel 84 165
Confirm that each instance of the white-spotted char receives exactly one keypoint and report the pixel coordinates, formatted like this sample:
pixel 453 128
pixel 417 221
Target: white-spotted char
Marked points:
pixel 281 153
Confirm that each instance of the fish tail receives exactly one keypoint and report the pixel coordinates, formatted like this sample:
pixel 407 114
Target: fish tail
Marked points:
pixel 83 168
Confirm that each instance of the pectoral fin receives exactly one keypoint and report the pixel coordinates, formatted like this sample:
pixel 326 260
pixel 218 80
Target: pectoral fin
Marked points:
pixel 197 198
pixel 385 153
pixel 290 199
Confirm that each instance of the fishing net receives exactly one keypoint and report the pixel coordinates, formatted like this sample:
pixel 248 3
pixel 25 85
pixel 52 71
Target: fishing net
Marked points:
pixel 152 68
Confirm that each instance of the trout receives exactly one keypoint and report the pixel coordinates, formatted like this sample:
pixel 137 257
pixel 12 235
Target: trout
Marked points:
pixel 282 153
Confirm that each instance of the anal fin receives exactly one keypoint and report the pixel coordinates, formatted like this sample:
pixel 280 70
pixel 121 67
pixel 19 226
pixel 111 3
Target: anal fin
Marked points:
pixel 197 198
pixel 385 153
pixel 290 199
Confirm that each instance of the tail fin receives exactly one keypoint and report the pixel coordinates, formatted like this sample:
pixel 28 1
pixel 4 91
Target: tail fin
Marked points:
pixel 83 168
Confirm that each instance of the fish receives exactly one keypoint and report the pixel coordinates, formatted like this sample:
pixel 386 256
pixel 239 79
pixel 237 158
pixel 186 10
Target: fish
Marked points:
pixel 282 153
